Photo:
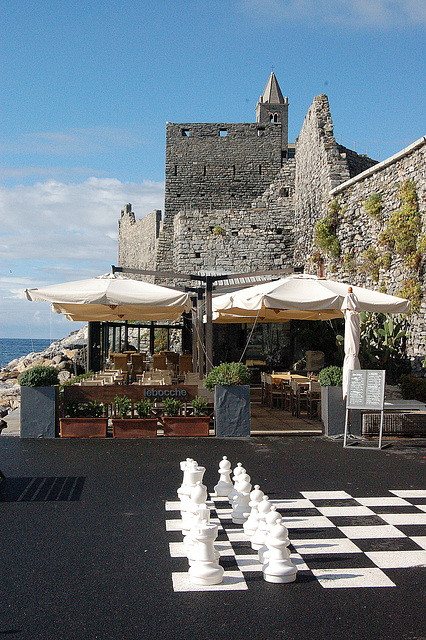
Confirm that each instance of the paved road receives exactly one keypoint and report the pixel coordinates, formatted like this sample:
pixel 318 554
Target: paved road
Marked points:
pixel 85 551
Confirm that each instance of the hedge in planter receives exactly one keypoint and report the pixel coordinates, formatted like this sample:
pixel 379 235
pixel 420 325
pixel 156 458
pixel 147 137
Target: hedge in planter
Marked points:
pixel 175 424
pixel 230 383
pixel 84 421
pixel 39 402
pixel 126 426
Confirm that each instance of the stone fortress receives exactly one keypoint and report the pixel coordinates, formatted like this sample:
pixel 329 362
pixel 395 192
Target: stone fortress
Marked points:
pixel 239 197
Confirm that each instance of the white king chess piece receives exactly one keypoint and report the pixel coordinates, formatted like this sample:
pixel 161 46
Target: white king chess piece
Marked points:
pixel 224 486
pixel 279 566
pixel 205 569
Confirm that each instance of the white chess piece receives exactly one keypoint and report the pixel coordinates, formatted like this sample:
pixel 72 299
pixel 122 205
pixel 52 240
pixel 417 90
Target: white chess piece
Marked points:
pixel 205 569
pixel 224 486
pixel 240 505
pixel 279 566
pixel 251 524
pixel 272 518
pixel 196 508
pixel 239 469
pixel 259 536
pixel 192 473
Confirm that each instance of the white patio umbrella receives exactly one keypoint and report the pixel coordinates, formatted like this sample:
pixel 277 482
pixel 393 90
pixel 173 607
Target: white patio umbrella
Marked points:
pixel 350 308
pixel 113 297
pixel 307 297
pixel 302 297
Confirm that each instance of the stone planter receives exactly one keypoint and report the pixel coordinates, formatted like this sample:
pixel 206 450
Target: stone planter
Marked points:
pixel 232 411
pixel 83 427
pixel 186 425
pixel 333 413
pixel 134 427
pixel 333 409
pixel 39 410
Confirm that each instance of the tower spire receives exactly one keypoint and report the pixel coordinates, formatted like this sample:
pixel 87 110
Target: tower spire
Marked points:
pixel 272 93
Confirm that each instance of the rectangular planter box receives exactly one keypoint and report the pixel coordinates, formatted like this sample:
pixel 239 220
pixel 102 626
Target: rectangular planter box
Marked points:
pixel 232 411
pixel 38 412
pixel 186 425
pixel 83 427
pixel 333 413
pixel 134 427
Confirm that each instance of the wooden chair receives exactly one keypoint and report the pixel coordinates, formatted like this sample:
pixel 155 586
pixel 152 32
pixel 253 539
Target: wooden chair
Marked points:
pixel 301 400
pixel 191 378
pixel 120 361
pixel 185 363
pixel 158 361
pixel 314 399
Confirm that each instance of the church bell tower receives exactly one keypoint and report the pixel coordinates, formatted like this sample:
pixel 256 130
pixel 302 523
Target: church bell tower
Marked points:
pixel 273 108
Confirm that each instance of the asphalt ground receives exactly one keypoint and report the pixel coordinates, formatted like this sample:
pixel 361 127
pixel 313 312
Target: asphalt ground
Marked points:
pixel 93 562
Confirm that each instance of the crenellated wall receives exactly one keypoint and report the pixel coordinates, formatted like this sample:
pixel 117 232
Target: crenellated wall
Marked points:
pixel 138 239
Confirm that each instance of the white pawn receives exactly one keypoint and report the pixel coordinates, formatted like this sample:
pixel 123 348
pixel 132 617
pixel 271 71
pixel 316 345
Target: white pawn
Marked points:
pixel 240 506
pixel 251 524
pixel 239 469
pixel 205 569
pixel 259 536
pixel 224 486
pixel 279 567
pixel 272 518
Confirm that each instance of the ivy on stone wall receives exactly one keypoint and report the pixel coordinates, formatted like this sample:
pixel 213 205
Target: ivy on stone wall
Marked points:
pixel 374 205
pixel 412 289
pixel 402 232
pixel 325 231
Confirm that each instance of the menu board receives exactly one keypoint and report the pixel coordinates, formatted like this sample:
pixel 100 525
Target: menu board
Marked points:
pixel 366 389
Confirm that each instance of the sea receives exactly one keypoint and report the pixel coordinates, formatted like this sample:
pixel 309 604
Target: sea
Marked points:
pixel 11 348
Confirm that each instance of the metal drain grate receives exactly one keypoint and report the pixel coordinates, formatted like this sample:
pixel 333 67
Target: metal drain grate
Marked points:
pixel 59 489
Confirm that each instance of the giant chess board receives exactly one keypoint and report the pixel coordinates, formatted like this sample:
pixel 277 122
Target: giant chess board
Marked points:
pixel 341 540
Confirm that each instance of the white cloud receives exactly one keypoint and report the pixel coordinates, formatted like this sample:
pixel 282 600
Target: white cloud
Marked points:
pixel 58 232
pixel 60 222
pixel 350 13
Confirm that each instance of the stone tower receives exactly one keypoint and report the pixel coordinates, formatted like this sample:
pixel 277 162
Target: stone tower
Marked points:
pixel 273 107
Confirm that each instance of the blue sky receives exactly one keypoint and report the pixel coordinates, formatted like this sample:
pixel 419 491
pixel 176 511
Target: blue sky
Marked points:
pixel 86 89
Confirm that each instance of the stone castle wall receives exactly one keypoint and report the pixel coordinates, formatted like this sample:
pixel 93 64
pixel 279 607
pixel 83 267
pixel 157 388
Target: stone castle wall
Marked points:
pixel 237 203
pixel 358 232
pixel 321 165
pixel 138 239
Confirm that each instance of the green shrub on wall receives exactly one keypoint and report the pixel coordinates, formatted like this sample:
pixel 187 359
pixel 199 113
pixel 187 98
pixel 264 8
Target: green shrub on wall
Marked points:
pixel 412 289
pixel 374 205
pixel 402 233
pixel 325 231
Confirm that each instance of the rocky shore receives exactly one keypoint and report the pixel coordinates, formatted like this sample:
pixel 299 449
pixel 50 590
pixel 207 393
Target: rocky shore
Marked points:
pixel 67 355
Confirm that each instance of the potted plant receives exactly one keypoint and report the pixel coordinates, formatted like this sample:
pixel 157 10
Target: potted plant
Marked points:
pixel 332 404
pixel 125 426
pixel 176 424
pixel 230 383
pixel 84 420
pixel 39 402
